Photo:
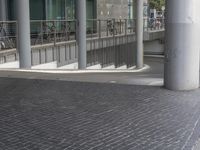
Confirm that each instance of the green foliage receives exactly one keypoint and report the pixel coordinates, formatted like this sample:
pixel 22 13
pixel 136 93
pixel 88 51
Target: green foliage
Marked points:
pixel 156 4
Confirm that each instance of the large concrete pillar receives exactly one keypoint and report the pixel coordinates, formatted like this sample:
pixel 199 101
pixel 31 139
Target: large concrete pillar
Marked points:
pixel 24 44
pixel 182 44
pixel 81 33
pixel 139 34
pixel 3 10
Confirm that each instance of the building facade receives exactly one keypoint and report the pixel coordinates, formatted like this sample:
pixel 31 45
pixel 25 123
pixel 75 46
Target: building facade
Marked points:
pixel 107 9
pixel 65 9
pixel 46 9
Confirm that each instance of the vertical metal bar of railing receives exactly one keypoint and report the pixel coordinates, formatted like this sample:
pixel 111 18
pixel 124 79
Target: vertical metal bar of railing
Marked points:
pixel 15 55
pixel 93 49
pixel 53 53
pixel 5 59
pixel 126 42
pixel 40 57
pixel 120 26
pixel 54 32
pixel 66 25
pixel 59 54
pixel 126 26
pixel 65 52
pixel 114 42
pixel 16 35
pixel 107 30
pixel 41 31
pixel 76 48
pixel 45 55
pixel 90 58
pixel 101 49
pixel 99 21
pixel 70 57
pixel 31 57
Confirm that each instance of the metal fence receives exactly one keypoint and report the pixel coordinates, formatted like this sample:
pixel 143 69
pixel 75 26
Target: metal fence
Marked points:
pixel 154 24
pixel 8 35
pixel 52 40
pixel 110 27
pixel 52 31
pixel 109 42
pixel 8 41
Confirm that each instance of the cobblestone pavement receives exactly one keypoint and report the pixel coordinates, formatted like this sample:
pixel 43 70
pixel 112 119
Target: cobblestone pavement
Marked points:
pixel 61 115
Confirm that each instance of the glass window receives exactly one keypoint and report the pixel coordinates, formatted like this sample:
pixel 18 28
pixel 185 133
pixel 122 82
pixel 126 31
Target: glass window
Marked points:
pixel 70 9
pixel 55 9
pixel 37 9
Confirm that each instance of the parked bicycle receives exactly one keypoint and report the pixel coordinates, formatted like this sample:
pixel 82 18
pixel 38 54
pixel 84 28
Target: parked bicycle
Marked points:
pixel 64 34
pixel 5 41
pixel 111 27
pixel 47 33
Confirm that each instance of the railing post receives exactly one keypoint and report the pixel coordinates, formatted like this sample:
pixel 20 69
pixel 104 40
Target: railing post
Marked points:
pixel 41 31
pixel 24 40
pixel 126 26
pixel 107 29
pixel 54 32
pixel 99 28
pixel 81 29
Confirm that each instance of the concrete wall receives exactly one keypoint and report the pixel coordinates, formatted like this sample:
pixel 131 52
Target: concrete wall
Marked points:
pixel 155 47
pixel 112 9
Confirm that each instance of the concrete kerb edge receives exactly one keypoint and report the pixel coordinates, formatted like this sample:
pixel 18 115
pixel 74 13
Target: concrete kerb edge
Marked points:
pixel 132 70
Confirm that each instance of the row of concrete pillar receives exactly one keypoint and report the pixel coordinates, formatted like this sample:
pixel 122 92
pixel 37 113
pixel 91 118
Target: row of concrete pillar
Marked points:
pixel 24 45
pixel 181 48
pixel 23 19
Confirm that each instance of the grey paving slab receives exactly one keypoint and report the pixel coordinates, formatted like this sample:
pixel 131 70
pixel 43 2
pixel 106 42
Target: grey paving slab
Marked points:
pixel 61 115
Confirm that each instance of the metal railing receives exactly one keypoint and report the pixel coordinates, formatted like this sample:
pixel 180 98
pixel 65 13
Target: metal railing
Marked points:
pixel 8 35
pixel 109 42
pixel 110 27
pixel 153 24
pixel 52 31
pixel 8 41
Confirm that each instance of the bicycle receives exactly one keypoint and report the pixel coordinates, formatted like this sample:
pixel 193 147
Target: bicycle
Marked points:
pixel 5 41
pixel 65 31
pixel 46 34
pixel 111 27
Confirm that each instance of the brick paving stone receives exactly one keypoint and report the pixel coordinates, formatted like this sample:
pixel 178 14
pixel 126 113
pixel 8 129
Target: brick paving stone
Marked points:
pixel 60 115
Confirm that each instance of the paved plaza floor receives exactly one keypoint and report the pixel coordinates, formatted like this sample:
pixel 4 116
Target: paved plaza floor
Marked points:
pixel 40 112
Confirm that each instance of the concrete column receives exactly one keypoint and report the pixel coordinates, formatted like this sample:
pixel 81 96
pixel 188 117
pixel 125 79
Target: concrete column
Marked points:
pixel 81 33
pixel 139 34
pixel 3 10
pixel 182 45
pixel 24 45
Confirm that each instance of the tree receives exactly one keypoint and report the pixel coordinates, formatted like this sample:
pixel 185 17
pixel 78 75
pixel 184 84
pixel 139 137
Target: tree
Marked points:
pixel 156 4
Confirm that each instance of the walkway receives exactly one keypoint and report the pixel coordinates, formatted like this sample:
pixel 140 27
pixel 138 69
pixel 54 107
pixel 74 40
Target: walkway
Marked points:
pixel 150 76
pixel 64 115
